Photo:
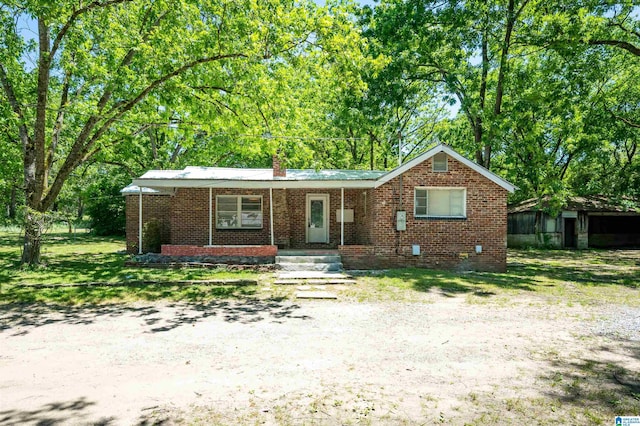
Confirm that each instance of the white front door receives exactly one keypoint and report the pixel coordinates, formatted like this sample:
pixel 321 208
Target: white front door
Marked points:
pixel 317 214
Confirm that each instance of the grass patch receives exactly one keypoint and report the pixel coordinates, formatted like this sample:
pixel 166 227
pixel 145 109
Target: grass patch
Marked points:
pixel 584 277
pixel 84 258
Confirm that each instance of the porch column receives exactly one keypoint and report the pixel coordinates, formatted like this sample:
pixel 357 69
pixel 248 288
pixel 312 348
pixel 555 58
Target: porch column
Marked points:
pixel 271 214
pixel 140 221
pixel 341 216
pixel 210 218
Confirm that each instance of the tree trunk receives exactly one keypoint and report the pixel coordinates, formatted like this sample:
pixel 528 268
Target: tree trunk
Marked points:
pixel 32 238
pixel 371 162
pixel 80 212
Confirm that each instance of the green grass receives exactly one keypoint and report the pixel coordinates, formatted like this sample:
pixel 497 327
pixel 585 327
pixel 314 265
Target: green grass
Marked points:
pixel 572 277
pixel 83 258
pixel 555 276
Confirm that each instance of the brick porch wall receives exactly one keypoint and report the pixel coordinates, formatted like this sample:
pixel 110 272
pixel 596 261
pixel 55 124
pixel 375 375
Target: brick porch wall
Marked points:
pixel 154 207
pixel 444 243
pixel 247 251
pixel 364 215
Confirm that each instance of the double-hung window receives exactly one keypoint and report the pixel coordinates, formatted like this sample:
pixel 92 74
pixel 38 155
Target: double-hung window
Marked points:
pixel 238 211
pixel 440 202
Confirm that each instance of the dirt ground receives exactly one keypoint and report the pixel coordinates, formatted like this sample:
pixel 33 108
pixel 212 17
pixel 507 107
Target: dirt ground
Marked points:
pixel 316 362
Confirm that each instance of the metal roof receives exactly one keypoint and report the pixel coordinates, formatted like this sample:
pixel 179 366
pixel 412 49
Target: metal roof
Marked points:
pixel 233 174
pixel 135 189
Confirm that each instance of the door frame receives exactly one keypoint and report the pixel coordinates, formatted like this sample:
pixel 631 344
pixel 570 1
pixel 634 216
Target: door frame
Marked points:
pixel 325 198
pixel 571 236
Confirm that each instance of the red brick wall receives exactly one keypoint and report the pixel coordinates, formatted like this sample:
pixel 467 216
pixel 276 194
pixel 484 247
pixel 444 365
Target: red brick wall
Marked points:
pixel 176 250
pixel 190 219
pixel 363 216
pixel 444 243
pixel 154 207
pixel 281 220
pixel 296 200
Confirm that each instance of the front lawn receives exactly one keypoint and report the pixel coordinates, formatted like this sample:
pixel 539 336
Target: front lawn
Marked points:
pixel 84 258
pixel 555 276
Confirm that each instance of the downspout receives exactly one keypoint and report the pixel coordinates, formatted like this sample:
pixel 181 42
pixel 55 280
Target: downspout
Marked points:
pixel 140 221
pixel 210 217
pixel 271 215
pixel 341 216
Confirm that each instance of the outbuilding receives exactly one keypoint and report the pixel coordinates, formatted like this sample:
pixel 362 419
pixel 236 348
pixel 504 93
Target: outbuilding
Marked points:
pixel 581 222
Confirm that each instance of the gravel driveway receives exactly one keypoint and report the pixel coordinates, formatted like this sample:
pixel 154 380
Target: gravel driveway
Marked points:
pixel 321 362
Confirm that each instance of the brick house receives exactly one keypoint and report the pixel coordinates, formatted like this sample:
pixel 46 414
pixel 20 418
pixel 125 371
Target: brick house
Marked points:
pixel 438 210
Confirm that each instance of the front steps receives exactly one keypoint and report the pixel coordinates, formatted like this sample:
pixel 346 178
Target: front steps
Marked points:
pixel 310 272
pixel 301 262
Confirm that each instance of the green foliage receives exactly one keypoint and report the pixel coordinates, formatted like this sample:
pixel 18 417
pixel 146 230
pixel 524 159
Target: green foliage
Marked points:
pixel 544 94
pixel 152 236
pixel 105 205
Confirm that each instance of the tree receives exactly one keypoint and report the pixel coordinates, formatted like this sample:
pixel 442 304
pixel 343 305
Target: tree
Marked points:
pixel 101 65
pixel 466 48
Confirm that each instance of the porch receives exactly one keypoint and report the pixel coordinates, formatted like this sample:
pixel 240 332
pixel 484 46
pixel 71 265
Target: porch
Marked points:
pixel 196 220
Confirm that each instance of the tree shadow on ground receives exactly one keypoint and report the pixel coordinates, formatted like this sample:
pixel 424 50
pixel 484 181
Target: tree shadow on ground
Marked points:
pixel 51 414
pixel 20 319
pixel 92 267
pixel 103 293
pixel 528 271
pixel 452 284
pixel 585 267
pixel 604 382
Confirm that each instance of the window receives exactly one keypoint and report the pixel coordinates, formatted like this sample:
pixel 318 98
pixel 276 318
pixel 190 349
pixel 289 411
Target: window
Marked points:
pixel 235 211
pixel 551 224
pixel 440 162
pixel 440 202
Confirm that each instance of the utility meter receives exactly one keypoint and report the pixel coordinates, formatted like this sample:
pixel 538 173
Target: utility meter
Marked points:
pixel 401 220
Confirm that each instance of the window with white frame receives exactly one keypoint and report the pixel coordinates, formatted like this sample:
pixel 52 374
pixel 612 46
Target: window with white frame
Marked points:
pixel 238 211
pixel 440 202
pixel 440 162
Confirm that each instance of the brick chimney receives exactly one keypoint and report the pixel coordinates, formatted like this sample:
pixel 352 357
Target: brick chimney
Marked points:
pixel 278 165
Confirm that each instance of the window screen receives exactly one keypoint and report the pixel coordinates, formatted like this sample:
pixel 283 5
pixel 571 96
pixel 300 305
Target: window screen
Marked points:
pixel 440 162
pixel 235 211
pixel 440 202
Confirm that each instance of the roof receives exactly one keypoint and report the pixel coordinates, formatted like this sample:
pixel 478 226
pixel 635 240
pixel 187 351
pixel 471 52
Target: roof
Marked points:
pixel 594 203
pixel 235 174
pixel 135 189
pixel 211 177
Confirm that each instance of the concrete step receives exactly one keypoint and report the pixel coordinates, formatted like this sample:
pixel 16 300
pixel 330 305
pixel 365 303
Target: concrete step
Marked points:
pixel 311 275
pixel 309 259
pixel 328 281
pixel 309 252
pixel 310 266
pixel 315 295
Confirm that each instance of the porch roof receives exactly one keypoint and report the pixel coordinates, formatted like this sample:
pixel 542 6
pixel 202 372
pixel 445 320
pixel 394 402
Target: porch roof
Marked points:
pixel 212 177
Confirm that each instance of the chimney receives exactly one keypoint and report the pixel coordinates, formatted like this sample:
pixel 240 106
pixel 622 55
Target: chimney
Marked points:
pixel 278 169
